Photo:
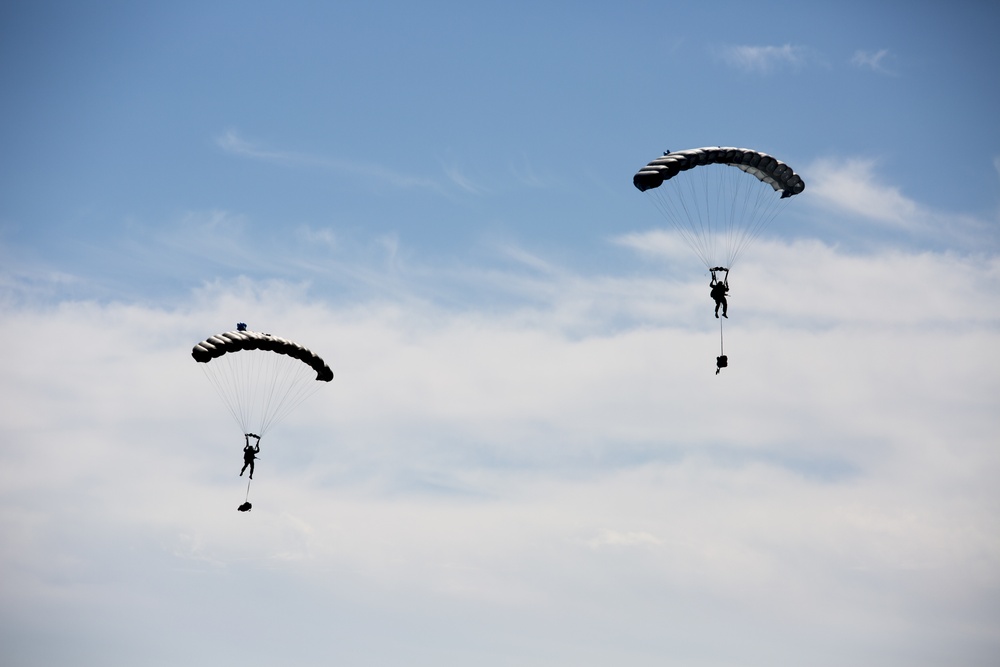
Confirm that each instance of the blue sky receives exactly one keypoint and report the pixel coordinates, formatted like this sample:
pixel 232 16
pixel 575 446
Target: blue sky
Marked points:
pixel 525 456
pixel 450 127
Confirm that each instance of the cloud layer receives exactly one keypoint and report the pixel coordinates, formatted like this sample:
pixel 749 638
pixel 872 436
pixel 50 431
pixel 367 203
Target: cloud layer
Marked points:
pixel 543 472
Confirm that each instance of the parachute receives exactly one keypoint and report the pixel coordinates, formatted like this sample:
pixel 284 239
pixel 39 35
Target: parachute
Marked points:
pixel 260 377
pixel 717 209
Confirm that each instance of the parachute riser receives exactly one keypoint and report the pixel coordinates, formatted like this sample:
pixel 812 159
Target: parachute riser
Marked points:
pixel 259 388
pixel 716 203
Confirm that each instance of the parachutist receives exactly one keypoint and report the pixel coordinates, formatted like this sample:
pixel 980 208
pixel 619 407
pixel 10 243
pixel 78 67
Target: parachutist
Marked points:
pixel 249 454
pixel 719 290
pixel 245 507
pixel 712 213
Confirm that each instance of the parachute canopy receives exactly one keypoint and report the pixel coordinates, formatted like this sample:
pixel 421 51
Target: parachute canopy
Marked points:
pixel 234 341
pixel 260 377
pixel 762 166
pixel 716 209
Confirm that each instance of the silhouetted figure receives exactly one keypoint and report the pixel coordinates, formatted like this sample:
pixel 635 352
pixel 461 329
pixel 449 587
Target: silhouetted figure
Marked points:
pixel 245 507
pixel 719 290
pixel 720 363
pixel 250 453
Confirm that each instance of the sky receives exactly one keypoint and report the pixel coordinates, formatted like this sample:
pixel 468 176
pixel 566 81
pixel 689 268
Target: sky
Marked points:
pixel 525 457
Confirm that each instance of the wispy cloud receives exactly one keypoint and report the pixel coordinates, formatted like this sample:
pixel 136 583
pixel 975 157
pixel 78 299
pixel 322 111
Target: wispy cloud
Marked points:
pixel 855 187
pixel 657 244
pixel 232 142
pixel 852 185
pixel 764 59
pixel 323 236
pixel 463 181
pixel 876 61
pixel 526 174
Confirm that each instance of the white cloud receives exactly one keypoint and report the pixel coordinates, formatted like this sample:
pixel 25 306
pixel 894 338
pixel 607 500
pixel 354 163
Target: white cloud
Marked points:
pixel 822 285
pixel 614 538
pixel 875 61
pixel 854 186
pixel 656 244
pixel 538 471
pixel 764 59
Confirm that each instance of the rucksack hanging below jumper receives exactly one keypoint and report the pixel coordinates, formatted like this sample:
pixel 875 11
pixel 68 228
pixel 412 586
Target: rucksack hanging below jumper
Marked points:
pixel 720 363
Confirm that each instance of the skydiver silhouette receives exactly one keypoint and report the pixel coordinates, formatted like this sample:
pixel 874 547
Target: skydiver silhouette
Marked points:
pixel 719 290
pixel 250 453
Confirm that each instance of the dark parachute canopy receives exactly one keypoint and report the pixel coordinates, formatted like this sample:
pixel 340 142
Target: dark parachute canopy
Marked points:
pixel 718 211
pixel 234 341
pixel 762 166
pixel 260 377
